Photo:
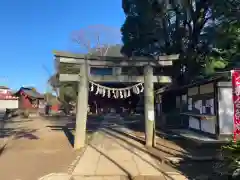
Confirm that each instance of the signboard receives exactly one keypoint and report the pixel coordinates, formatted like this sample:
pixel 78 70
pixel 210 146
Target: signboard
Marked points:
pixel 151 115
pixel 236 102
pixel 200 104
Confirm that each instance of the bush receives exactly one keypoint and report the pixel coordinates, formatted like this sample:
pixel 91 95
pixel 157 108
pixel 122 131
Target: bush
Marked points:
pixel 230 166
pixel 231 154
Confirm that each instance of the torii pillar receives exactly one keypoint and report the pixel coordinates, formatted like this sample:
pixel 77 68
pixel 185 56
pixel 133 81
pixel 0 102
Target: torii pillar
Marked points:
pixel 82 107
pixel 149 106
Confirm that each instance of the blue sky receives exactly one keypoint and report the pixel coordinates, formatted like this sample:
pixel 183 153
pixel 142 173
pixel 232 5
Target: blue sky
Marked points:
pixel 31 29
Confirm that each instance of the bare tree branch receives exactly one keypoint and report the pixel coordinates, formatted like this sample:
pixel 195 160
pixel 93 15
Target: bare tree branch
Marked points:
pixel 97 38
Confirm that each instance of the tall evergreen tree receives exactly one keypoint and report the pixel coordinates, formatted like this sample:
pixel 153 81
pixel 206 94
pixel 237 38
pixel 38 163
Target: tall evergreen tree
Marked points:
pixel 189 27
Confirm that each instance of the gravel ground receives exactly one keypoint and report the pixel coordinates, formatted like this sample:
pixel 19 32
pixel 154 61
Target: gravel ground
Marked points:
pixel 32 149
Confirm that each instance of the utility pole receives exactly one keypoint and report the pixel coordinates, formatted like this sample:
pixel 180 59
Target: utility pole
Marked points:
pixel 149 106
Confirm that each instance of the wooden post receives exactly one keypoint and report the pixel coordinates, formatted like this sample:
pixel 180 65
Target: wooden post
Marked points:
pixel 82 107
pixel 149 106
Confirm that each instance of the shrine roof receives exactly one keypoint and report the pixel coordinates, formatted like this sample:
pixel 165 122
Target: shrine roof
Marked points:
pixel 174 87
pixel 4 87
pixel 30 92
pixel 6 94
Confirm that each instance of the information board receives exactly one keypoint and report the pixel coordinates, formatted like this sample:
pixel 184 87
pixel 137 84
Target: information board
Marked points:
pixel 199 104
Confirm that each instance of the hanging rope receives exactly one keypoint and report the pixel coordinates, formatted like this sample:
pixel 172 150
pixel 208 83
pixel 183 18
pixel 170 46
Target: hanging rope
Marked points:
pixel 116 92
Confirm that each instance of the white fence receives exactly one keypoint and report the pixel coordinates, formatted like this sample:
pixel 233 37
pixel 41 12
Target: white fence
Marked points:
pixel 8 104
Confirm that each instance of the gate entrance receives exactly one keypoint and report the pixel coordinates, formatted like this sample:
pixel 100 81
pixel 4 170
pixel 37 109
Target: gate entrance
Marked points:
pixel 87 81
pixel 104 98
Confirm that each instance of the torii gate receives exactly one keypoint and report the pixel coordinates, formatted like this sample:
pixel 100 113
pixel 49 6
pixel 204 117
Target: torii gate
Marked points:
pixel 85 62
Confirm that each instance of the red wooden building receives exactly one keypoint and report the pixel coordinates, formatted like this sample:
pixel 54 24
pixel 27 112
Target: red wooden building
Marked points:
pixel 29 99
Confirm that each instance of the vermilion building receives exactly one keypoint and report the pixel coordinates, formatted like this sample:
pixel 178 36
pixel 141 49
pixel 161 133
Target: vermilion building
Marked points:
pixel 29 99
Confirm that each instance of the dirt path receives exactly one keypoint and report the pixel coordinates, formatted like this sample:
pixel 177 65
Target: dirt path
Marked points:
pixel 35 151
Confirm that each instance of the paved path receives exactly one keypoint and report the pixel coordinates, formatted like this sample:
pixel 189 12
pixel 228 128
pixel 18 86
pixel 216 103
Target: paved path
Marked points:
pixel 113 156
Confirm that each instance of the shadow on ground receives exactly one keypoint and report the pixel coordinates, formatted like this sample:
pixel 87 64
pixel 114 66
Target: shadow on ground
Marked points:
pixel 67 125
pixel 168 145
pixel 188 157
pixel 129 146
pixel 9 129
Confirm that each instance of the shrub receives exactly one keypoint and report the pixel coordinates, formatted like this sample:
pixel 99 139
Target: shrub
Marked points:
pixel 231 153
pixel 230 166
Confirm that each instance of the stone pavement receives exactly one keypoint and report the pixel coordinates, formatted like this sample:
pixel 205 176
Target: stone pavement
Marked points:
pixel 113 156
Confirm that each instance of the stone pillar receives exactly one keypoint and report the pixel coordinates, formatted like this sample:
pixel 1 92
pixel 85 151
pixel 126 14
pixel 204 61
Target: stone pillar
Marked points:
pixel 149 106
pixel 82 107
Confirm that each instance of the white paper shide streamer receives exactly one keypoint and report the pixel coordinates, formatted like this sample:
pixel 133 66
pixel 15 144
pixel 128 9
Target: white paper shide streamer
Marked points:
pixel 121 93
